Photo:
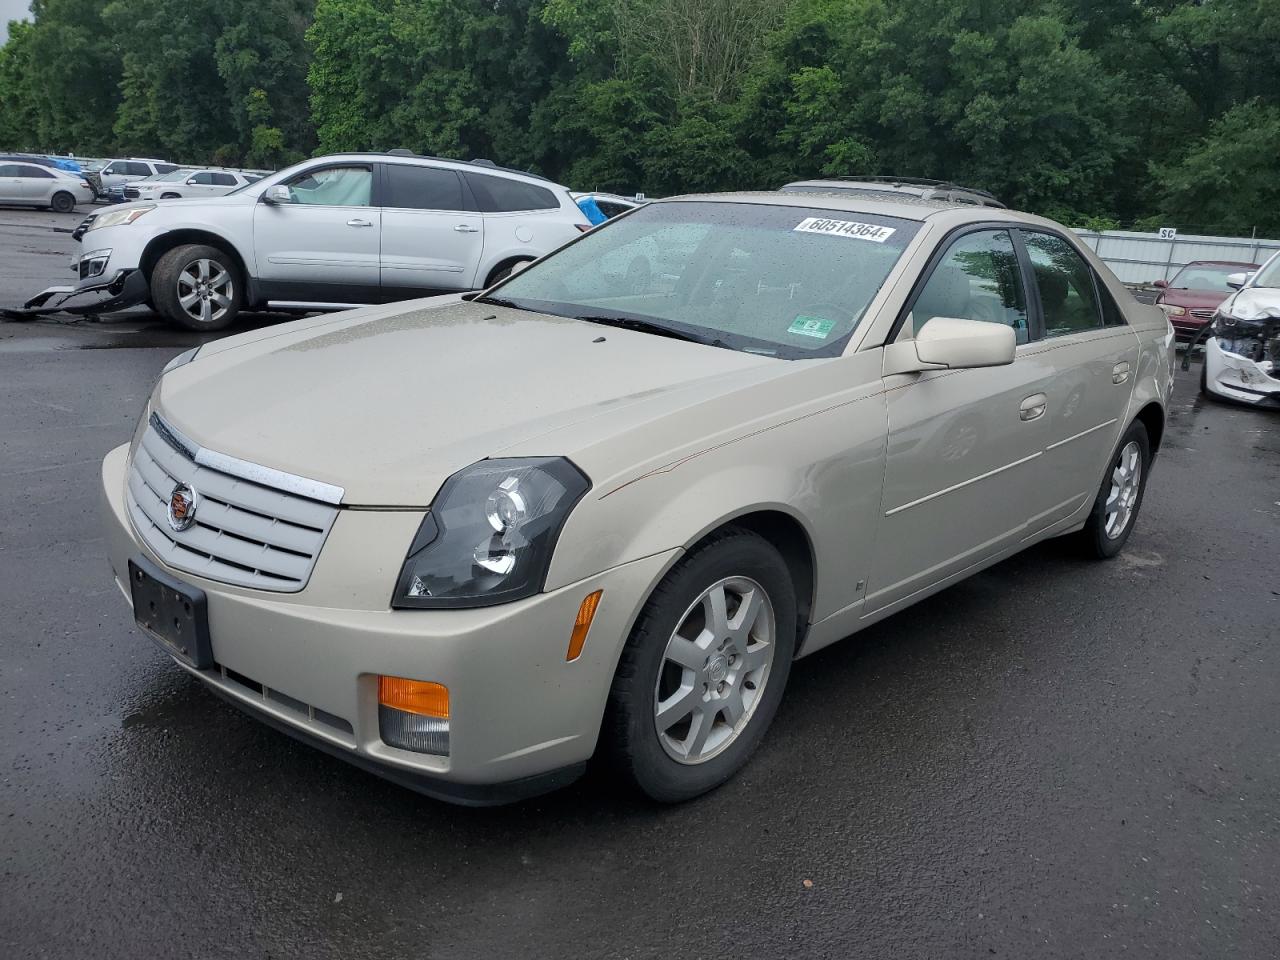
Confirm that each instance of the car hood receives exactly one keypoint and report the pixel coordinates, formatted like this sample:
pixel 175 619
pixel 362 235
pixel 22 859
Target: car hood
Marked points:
pixel 1192 299
pixel 1252 303
pixel 389 402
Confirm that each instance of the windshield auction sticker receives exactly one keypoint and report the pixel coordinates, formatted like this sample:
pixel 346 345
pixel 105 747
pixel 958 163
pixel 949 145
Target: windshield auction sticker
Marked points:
pixel 844 228
pixel 811 327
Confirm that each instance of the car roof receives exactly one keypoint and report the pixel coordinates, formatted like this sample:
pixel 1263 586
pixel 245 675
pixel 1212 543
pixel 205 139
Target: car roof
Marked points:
pixel 907 185
pixel 905 206
pixel 478 165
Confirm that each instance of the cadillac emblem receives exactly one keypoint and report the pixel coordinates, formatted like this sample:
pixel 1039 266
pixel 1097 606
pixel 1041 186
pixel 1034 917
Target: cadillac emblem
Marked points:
pixel 182 507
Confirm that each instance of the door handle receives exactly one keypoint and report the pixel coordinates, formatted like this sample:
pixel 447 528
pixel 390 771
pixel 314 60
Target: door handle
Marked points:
pixel 357 222
pixel 1033 407
pixel 1120 372
pixel 466 228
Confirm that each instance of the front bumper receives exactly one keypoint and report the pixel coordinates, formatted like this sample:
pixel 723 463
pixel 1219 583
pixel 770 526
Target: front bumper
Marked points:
pixel 1234 377
pixel 522 720
pixel 115 291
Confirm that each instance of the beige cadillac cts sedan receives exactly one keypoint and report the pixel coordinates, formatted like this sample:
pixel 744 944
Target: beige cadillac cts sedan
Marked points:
pixel 470 543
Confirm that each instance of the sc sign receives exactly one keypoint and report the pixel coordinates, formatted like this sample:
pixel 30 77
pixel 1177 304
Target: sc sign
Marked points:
pixel 1168 233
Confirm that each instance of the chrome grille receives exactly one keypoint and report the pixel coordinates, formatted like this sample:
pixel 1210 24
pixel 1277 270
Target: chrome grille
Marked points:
pixel 1201 314
pixel 246 532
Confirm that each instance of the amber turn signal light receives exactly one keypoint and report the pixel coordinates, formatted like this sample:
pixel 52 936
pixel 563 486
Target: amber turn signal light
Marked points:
pixel 422 697
pixel 582 623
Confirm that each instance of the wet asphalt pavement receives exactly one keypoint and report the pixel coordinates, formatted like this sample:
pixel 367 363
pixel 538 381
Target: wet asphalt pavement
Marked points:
pixel 1056 758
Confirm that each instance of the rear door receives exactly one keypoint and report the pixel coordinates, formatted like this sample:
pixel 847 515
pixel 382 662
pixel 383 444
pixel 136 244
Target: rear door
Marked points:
pixel 1093 357
pixel 322 245
pixel 963 445
pixel 432 236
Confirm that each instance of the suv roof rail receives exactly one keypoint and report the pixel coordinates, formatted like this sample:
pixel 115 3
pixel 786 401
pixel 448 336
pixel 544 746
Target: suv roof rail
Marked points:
pixel 403 152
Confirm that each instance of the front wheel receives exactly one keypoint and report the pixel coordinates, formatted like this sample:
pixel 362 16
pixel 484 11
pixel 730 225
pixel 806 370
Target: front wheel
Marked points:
pixel 62 202
pixel 197 287
pixel 704 669
pixel 1115 509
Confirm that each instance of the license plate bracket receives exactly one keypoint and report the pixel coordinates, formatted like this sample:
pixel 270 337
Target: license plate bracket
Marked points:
pixel 172 613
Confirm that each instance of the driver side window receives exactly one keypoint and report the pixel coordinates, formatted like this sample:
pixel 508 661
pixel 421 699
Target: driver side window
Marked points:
pixel 977 279
pixel 333 187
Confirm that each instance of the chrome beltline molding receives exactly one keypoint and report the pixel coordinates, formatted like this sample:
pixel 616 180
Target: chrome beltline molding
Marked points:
pixel 253 472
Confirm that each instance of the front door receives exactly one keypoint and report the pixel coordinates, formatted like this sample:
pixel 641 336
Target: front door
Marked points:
pixel 430 239
pixel 1095 358
pixel 322 245
pixel 963 445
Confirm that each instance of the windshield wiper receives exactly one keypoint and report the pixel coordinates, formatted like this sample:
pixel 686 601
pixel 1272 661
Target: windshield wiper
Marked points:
pixel 648 326
pixel 499 302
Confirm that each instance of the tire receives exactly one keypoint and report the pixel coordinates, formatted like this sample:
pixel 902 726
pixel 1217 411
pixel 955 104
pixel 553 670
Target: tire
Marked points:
pixel 170 196
pixel 1103 537
pixel 184 267
pixel 504 271
pixel 62 202
pixel 738 562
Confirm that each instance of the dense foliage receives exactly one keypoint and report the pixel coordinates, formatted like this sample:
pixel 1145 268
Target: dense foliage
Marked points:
pixel 1087 110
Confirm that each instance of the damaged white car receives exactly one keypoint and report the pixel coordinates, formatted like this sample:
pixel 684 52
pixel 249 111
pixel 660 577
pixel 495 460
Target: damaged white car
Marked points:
pixel 1242 345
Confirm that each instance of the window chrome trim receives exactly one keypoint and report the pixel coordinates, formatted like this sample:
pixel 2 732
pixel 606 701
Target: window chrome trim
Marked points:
pixel 253 472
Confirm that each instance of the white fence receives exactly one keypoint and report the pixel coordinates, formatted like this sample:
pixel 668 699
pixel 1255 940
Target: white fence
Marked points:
pixel 1140 258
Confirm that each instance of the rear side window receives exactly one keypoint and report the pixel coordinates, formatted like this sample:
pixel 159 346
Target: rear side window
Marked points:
pixel 165 167
pixel 1111 315
pixel 1065 282
pixel 410 187
pixel 978 278
pixel 500 195
pixel 224 180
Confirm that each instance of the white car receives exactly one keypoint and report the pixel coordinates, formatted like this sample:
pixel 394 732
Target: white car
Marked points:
pixel 1242 352
pixel 191 183
pixel 115 173
pixel 327 233
pixel 29 184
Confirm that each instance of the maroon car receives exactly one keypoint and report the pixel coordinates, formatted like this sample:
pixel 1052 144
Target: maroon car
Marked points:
pixel 1191 298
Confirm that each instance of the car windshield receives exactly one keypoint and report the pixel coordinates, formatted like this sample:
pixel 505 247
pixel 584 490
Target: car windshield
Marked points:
pixel 1269 275
pixel 783 281
pixel 1206 276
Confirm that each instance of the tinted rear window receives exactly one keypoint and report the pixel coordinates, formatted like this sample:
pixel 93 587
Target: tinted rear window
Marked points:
pixel 500 195
pixel 422 188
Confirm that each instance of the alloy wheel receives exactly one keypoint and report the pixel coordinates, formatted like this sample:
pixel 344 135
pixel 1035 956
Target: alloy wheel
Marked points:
pixel 205 290
pixel 1126 483
pixel 714 670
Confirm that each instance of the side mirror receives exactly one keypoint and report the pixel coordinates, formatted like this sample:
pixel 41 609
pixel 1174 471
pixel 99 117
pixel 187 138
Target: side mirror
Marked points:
pixel 953 343
pixel 191 181
pixel 1237 280
pixel 277 194
pixel 1161 284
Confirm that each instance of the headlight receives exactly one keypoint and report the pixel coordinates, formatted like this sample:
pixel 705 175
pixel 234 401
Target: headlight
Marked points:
pixel 115 218
pixel 1172 310
pixel 489 534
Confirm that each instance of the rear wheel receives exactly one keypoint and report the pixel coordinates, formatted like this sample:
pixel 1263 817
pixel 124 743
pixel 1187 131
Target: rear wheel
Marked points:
pixel 704 669
pixel 504 271
pixel 170 196
pixel 1115 509
pixel 198 287
pixel 62 202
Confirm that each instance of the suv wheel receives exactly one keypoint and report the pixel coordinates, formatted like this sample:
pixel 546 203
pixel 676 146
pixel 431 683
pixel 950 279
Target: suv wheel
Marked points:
pixel 501 273
pixel 1115 509
pixel 197 287
pixel 703 671
pixel 62 202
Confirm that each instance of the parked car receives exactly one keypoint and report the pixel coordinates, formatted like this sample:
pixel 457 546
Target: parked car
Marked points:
pixel 911 186
pixel 129 191
pixel 600 207
pixel 1242 345
pixel 196 183
pixel 326 233
pixel 116 173
pixel 1191 298
pixel 30 184
pixel 58 163
pixel 468 543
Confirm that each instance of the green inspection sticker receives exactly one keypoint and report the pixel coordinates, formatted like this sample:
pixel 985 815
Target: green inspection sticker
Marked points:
pixel 811 327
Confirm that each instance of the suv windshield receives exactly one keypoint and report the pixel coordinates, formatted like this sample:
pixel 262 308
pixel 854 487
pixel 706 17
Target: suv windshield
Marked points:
pixel 1204 276
pixel 784 281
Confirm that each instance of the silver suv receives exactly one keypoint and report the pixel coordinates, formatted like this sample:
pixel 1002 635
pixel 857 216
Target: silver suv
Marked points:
pixel 340 230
